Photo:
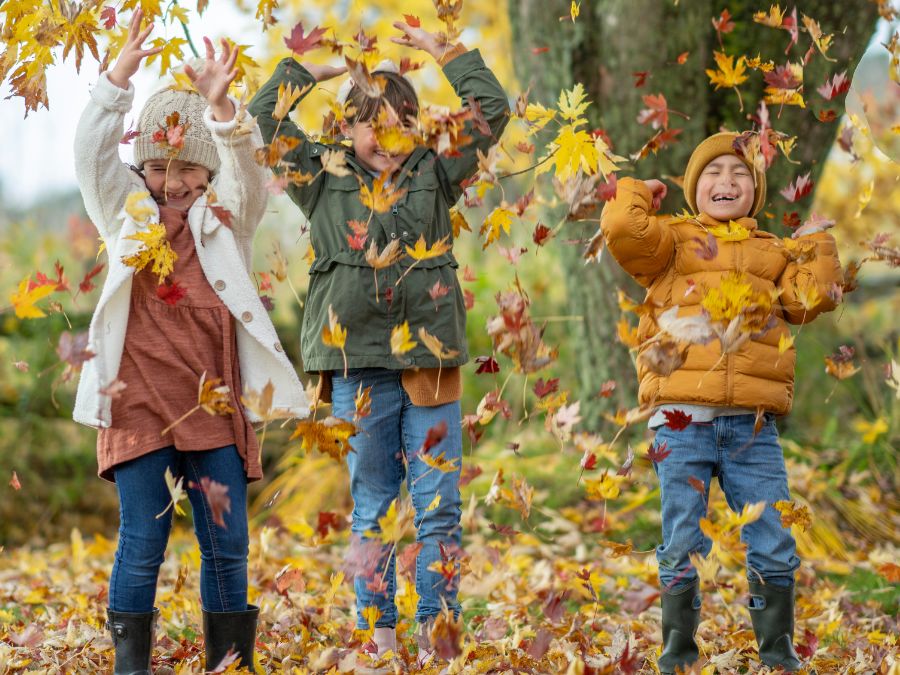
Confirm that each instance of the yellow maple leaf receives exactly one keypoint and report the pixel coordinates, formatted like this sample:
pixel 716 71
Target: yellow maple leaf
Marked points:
pixel 773 18
pixel 334 335
pixel 606 158
pixel 871 431
pixel 421 252
pixel 459 222
pixel 401 339
pixel 608 486
pixel 156 250
pixel 136 206
pixel 287 96
pixel 498 219
pixel 171 50
pixel 731 231
pixel 330 436
pixel 440 352
pixel 572 104
pixel 394 524
pixel 785 342
pixel 793 514
pixel 729 74
pixel 440 462
pixel 379 198
pixel 628 335
pixel 575 149
pixel 23 300
pixel 538 116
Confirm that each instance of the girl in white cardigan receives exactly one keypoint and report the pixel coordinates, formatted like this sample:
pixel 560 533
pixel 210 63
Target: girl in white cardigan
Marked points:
pixel 178 308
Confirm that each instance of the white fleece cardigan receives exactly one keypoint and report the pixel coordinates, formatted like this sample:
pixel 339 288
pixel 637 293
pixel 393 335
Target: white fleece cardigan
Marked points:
pixel 224 253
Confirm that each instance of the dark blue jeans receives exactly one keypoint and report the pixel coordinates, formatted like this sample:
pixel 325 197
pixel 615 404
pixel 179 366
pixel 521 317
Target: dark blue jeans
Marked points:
pixel 143 537
pixel 388 448
pixel 750 469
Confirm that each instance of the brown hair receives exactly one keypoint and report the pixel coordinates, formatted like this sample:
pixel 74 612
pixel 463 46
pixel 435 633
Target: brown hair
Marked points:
pixel 398 92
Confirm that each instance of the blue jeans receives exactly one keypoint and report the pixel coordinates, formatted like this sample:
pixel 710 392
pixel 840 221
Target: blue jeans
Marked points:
pixel 387 449
pixel 750 469
pixel 143 537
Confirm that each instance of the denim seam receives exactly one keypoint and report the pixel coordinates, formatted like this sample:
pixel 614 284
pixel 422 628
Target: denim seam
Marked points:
pixel 210 528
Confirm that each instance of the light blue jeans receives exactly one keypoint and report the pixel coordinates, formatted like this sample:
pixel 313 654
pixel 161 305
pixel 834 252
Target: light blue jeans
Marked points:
pixel 750 469
pixel 388 448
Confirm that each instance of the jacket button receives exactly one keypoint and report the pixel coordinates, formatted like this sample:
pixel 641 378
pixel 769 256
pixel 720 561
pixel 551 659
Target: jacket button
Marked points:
pixel 246 317
pixel 393 235
pixel 405 233
pixel 278 347
pixel 219 285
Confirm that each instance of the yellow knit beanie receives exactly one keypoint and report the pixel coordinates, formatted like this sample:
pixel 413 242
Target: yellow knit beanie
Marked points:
pixel 714 146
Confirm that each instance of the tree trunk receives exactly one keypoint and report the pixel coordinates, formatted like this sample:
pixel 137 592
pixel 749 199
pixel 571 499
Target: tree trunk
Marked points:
pixel 614 39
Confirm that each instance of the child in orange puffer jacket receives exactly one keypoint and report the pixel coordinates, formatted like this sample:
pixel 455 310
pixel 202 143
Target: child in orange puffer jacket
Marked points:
pixel 728 289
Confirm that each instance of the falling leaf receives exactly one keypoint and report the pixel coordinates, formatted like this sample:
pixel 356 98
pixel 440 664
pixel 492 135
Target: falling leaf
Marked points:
pixel 677 420
pixel 334 335
pixel 378 198
pixel 23 300
pixel 401 339
pixel 299 43
pixel 14 482
pixel 156 250
pixel 793 514
pixel 216 495
pixel 330 436
pixel 176 492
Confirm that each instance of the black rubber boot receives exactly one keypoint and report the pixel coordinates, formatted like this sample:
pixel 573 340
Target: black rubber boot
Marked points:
pixel 235 631
pixel 133 636
pixel 680 618
pixel 772 614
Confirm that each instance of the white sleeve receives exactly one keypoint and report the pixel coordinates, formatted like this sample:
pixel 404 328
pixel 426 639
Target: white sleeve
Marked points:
pixel 103 177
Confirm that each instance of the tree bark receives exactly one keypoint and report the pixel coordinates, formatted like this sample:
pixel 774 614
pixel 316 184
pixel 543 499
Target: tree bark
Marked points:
pixel 609 42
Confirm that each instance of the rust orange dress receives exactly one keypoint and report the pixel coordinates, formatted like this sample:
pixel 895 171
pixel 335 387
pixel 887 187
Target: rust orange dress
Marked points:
pixel 169 343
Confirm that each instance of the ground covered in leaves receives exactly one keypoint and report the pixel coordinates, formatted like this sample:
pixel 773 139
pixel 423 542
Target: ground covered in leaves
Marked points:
pixel 554 595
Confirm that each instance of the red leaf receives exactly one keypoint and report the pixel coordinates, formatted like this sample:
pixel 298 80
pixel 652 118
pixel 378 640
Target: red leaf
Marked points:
pixel 486 364
pixel 412 21
pixel 171 293
pixel 438 291
pixel 555 606
pixel 290 579
pixel 469 473
pixel 797 190
pixel 791 220
pixel 607 389
pixel 108 17
pixel 468 274
pixel 606 191
pixel 435 435
pixel 656 114
pixel 86 285
pixel 406 559
pixel 827 116
pixel 839 84
pixel 524 147
pixel 682 58
pixel 541 234
pixel 782 78
pixel 217 497
pixel 265 281
pixel 539 50
pixel 677 420
pixel 223 214
pixel 640 78
pixel 542 389
pixel 14 482
pixel 356 241
pixel 589 461
pixel 300 43
pixel 540 645
pixel 807 649
pixel 658 452
pixel 73 349
pixel 329 521
pixel 469 298
pixel 503 530
pixel 698 485
pixel 723 24
pixel 267 302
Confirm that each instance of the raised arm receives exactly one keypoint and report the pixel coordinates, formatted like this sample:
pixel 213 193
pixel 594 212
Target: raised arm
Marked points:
pixel 807 288
pixel 103 178
pixel 306 156
pixel 240 183
pixel 642 243
pixel 471 79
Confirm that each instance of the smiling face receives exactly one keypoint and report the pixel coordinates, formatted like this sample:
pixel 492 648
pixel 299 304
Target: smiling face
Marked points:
pixel 365 146
pixel 725 189
pixel 174 182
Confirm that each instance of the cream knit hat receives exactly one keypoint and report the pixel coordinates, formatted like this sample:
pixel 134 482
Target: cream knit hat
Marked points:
pixel 156 119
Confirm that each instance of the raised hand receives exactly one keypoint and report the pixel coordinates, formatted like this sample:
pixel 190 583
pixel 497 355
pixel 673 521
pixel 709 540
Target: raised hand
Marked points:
pixel 132 53
pixel 658 189
pixel 418 38
pixel 322 73
pixel 217 75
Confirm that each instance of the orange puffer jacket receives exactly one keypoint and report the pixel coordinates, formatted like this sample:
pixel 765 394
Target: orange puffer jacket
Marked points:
pixel 661 253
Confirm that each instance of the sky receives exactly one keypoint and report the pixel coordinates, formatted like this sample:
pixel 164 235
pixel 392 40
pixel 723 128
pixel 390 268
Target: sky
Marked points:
pixel 37 158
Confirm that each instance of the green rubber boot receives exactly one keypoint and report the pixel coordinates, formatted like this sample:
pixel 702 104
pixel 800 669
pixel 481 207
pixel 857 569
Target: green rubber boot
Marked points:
pixel 133 635
pixel 772 614
pixel 680 618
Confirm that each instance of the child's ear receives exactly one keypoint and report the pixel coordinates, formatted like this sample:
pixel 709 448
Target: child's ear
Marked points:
pixel 345 128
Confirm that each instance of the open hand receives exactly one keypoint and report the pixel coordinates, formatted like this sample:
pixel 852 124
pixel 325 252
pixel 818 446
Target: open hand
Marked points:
pixel 419 38
pixel 132 53
pixel 322 73
pixel 658 189
pixel 217 75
